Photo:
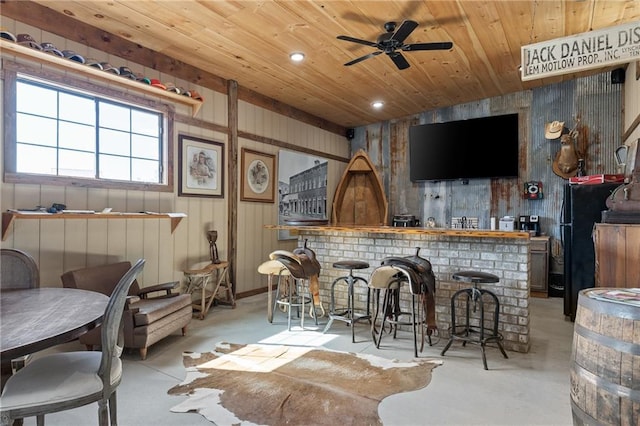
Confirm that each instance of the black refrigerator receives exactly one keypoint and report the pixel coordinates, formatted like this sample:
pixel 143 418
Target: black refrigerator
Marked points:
pixel 582 208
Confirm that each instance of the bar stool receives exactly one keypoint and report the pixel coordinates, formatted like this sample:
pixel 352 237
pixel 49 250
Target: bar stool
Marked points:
pixel 300 265
pixel 272 268
pixel 389 279
pixel 483 332
pixel 349 315
pixel 296 296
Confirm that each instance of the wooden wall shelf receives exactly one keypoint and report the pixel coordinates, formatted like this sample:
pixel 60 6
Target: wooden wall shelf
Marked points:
pixel 65 64
pixel 9 217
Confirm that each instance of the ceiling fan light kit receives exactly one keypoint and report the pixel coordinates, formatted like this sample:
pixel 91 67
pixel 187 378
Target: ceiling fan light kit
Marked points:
pixel 392 43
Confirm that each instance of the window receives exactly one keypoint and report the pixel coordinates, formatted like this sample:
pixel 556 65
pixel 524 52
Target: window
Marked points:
pixel 76 135
pixel 86 136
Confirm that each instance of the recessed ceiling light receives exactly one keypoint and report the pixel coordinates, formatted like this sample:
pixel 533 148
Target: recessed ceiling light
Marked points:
pixel 377 104
pixel 297 56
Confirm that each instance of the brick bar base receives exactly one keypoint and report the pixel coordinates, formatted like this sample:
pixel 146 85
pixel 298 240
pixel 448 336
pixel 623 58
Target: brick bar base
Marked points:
pixel 508 258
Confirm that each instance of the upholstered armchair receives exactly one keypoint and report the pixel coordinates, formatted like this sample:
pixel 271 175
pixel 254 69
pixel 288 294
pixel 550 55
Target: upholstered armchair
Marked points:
pixel 147 319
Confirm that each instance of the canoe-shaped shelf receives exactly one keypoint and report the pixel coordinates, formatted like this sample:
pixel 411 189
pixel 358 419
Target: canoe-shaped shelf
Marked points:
pixel 360 197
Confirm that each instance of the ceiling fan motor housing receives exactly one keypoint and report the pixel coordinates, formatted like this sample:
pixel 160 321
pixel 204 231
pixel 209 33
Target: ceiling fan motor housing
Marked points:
pixel 390 26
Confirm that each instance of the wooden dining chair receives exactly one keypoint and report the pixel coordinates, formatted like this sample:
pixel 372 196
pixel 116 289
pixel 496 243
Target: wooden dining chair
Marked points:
pixel 19 271
pixel 67 380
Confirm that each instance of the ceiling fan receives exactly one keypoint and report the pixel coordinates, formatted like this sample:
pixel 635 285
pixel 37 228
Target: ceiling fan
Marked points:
pixel 392 41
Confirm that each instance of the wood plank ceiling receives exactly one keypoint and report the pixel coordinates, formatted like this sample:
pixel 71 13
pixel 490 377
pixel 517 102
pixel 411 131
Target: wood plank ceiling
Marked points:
pixel 250 41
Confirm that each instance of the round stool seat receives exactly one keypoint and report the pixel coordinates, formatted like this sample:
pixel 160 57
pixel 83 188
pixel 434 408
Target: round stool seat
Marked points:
pixel 351 264
pixel 475 277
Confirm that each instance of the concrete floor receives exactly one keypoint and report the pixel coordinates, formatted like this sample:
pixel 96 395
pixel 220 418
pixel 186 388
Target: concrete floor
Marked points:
pixel 526 389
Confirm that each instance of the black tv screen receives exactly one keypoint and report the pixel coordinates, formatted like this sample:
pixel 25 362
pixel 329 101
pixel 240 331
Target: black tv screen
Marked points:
pixel 466 149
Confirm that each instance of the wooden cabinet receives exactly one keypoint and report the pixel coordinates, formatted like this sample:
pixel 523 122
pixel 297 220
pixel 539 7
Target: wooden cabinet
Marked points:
pixel 539 285
pixel 617 249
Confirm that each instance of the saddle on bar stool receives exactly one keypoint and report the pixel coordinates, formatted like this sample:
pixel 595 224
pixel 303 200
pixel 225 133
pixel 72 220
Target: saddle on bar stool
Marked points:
pixel 417 273
pixel 301 265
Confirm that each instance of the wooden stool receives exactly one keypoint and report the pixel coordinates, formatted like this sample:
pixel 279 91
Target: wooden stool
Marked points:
pixel 199 279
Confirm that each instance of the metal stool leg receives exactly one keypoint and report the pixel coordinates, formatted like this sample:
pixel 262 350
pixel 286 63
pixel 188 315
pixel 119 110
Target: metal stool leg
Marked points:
pixel 385 303
pixel 273 305
pixel 291 284
pixel 332 305
pixel 413 320
pixel 355 318
pixel 453 327
pixel 376 301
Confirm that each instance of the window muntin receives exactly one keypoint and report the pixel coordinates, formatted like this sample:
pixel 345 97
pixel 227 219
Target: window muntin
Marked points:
pixel 75 134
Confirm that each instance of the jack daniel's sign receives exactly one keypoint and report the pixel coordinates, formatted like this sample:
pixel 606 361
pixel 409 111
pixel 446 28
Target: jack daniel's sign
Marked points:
pixel 590 50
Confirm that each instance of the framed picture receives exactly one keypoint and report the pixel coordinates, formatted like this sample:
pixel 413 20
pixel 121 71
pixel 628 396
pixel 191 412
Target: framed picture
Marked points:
pixel 258 176
pixel 201 167
pixel 302 189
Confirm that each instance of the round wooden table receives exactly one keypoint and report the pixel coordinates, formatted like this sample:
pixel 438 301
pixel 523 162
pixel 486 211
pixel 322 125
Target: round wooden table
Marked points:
pixel 35 319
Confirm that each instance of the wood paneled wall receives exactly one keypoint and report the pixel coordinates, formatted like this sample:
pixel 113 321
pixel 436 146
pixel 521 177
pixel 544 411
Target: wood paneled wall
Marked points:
pixel 61 245
pixel 254 242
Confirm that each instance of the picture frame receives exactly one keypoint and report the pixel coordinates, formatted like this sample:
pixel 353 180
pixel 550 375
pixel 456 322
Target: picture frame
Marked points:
pixel 201 167
pixel 258 176
pixel 297 172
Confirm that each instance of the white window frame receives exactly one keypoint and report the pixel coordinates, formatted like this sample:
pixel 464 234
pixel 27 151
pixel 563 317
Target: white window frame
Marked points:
pixel 12 71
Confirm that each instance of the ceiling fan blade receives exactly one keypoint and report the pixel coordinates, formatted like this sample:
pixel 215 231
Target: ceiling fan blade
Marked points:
pixel 399 60
pixel 445 45
pixel 405 29
pixel 362 58
pixel 356 40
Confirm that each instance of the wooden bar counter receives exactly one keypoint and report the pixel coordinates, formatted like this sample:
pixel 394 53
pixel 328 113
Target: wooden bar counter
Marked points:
pixel 503 253
pixel 477 233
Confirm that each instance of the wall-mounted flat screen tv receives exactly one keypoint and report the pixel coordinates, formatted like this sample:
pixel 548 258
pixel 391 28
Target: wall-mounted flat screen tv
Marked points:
pixel 466 149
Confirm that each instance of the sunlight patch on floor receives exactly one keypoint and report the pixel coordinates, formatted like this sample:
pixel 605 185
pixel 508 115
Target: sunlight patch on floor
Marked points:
pixel 299 337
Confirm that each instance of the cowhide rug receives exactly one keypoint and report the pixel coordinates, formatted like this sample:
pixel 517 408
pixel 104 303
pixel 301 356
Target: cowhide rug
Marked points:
pixel 277 385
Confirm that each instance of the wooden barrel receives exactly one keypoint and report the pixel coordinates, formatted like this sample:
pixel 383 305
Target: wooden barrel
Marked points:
pixel 605 361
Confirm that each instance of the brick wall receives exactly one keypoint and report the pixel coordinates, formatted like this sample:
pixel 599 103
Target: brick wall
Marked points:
pixel 508 258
